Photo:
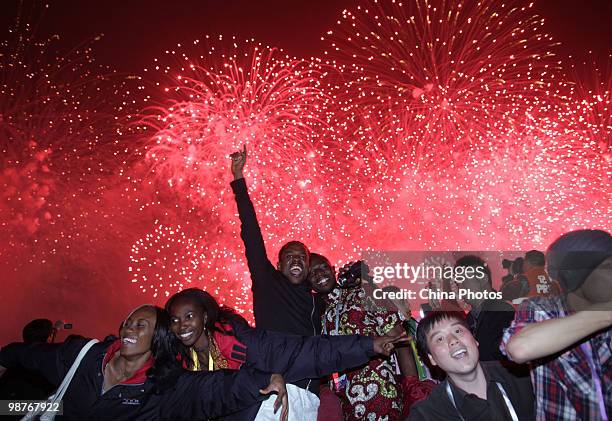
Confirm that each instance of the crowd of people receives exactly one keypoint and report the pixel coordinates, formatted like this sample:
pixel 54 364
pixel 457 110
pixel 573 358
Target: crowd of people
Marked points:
pixel 323 349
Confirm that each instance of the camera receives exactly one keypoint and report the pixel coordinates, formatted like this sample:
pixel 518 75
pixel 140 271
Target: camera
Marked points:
pixel 59 325
pixel 353 275
pixel 514 267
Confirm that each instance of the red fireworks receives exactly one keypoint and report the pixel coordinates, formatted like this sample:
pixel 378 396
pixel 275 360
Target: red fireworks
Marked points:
pixel 252 95
pixel 434 125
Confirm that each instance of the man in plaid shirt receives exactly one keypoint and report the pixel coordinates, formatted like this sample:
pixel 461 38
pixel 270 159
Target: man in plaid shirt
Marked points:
pixel 568 338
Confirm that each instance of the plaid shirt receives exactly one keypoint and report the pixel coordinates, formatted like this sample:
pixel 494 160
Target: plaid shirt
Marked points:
pixel 563 383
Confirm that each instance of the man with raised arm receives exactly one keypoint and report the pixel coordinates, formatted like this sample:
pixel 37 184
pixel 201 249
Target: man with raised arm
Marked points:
pixel 282 300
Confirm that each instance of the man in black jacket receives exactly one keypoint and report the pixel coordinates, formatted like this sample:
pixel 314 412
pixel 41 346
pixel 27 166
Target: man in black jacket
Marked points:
pixel 282 299
pixel 19 383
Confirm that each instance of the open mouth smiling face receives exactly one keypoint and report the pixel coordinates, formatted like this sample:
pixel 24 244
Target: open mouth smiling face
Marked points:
pixel 187 321
pixel 452 347
pixel 137 330
pixel 294 263
pixel 321 277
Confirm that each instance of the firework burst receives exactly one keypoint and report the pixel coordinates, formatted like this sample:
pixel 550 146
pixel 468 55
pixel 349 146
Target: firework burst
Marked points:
pixel 252 95
pixel 58 128
pixel 165 259
pixel 441 77
pixel 61 143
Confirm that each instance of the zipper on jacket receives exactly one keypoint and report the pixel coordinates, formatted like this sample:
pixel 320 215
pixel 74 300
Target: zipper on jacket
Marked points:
pixel 314 331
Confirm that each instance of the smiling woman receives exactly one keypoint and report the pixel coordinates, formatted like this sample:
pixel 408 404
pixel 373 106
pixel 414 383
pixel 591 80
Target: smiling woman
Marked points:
pixel 135 347
pixel 215 337
pixel 204 328
pixel 139 376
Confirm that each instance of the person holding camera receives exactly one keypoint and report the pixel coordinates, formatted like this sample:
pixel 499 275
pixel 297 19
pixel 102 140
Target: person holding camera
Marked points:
pixel 21 383
pixel 566 338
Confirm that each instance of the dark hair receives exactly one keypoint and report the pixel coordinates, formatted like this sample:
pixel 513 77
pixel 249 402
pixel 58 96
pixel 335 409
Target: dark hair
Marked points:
pixel 474 261
pixel 320 256
pixel 207 303
pixel 535 258
pixel 165 349
pixel 73 336
pixel 38 330
pixel 292 243
pixel 428 322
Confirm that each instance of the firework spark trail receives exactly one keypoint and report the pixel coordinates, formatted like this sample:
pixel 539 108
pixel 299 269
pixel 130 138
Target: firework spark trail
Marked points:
pixel 430 146
pixel 47 97
pixel 61 143
pixel 545 179
pixel 180 247
pixel 440 125
pixel 173 252
pixel 591 96
pixel 420 87
pixel 459 131
pixel 255 96
pixel 214 104
pixel 59 119
pixel 443 76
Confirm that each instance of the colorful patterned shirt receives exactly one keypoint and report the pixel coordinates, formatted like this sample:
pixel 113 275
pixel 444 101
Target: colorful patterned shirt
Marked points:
pixel 372 392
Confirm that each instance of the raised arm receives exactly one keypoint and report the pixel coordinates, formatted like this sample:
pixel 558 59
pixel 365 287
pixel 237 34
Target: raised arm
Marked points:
pixel 531 341
pixel 257 259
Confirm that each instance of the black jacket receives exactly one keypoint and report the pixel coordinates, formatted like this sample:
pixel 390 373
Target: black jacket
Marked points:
pixel 488 327
pixel 278 305
pixel 195 395
pixel 438 406
pixel 299 357
pixel 302 357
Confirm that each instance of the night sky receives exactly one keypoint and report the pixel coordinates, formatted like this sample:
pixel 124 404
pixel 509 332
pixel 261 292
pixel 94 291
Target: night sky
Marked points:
pixel 70 240
pixel 137 31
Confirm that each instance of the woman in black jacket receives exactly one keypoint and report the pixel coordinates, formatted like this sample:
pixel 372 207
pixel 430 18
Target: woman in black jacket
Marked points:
pixel 138 377
pixel 215 337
